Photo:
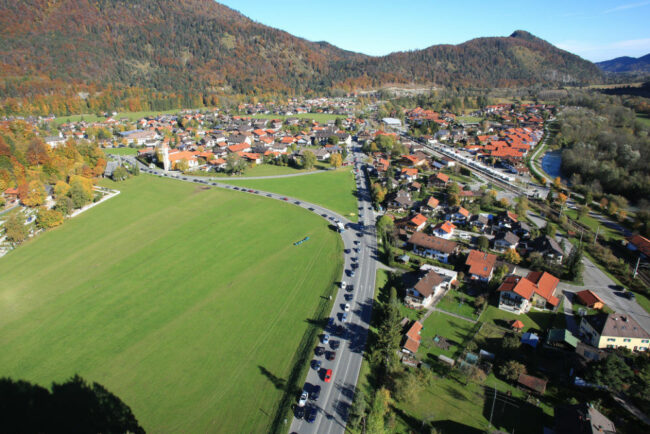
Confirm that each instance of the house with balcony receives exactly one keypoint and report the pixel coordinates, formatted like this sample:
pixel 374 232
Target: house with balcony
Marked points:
pixel 519 294
pixel 432 247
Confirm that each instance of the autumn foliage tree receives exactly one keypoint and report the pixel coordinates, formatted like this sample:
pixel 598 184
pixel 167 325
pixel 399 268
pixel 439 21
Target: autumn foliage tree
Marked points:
pixel 32 194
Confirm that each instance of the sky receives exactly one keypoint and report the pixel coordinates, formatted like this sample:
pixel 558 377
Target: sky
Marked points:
pixel 595 30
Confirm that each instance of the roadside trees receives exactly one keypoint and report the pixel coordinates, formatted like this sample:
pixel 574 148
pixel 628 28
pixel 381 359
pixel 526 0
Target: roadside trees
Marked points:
pixel 308 160
pixel 15 229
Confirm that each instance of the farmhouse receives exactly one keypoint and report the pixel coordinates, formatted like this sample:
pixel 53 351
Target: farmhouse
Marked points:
pixel 518 294
pixel 613 331
pixel 432 247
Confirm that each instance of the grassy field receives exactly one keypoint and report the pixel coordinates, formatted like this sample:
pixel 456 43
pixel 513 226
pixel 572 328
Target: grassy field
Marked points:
pixel 334 190
pixel 186 302
pixel 132 116
pixel 532 320
pixel 318 117
pixel 593 224
pixel 644 119
pixel 459 303
pixel 121 151
pixel 271 170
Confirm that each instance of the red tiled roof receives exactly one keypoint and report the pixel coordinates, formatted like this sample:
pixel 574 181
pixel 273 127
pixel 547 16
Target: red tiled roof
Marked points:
pixel 641 243
pixel 588 298
pixel 418 220
pixel 480 263
pixel 432 202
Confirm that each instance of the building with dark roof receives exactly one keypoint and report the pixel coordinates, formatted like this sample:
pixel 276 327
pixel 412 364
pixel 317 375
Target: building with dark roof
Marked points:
pixel 582 419
pixel 613 331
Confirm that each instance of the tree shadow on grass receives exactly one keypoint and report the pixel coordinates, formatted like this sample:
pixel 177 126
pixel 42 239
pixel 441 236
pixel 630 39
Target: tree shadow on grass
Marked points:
pixel 279 383
pixel 72 406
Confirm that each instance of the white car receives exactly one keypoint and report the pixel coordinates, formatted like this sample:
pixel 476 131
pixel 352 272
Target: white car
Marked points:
pixel 303 399
pixel 347 307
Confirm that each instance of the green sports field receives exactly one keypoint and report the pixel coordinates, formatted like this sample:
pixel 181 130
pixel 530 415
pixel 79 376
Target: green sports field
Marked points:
pixel 187 303
pixel 333 189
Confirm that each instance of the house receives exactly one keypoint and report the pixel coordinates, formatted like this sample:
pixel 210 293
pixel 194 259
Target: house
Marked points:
pixel 417 223
pixel 439 179
pixel 590 299
pixel 582 419
pixel 480 222
pixel 481 265
pixel 532 383
pixel 613 331
pixel 409 174
pixel 54 141
pixel 548 247
pixel 426 289
pixel 506 220
pixel 431 205
pixel 518 294
pixel 505 241
pixel 460 215
pixel 432 247
pixel 640 244
pixel 444 230
pixel 401 201
pixel 412 338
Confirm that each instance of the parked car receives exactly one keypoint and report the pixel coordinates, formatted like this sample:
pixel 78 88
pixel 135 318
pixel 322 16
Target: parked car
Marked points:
pixel 310 414
pixel 346 307
pixel 303 398
pixel 315 393
pixel 319 351
pixel 334 345
pixel 315 364
pixel 330 355
pixel 326 339
pixel 299 412
pixel 328 375
pixel 344 318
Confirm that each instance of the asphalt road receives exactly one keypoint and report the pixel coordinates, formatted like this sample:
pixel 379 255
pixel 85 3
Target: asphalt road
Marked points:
pixel 336 396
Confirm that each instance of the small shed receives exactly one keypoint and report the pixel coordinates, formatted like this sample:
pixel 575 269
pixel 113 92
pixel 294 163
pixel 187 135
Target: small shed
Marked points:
pixel 590 299
pixel 530 339
pixel 562 338
pixel 447 360
pixel 532 383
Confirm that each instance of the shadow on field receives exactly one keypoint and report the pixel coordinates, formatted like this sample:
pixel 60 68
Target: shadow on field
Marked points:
pixel 279 383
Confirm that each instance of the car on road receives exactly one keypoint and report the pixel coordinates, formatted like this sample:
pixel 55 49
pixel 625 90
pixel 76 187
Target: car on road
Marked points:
pixel 334 345
pixel 346 307
pixel 326 339
pixel 344 318
pixel 269 195
pixel 310 209
pixel 343 285
pixel 314 394
pixel 330 355
pixel 310 414
pixel 350 288
pixel 315 364
pixel 352 273
pixel 348 297
pixel 328 376
pixel 299 412
pixel 340 330
pixel 284 198
pixel 319 351
pixel 303 398
pixel 629 295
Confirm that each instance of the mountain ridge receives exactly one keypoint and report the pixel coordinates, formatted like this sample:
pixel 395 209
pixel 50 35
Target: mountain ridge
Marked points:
pixel 626 64
pixel 190 45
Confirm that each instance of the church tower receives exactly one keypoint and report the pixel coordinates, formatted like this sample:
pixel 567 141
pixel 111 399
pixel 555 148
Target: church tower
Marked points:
pixel 165 157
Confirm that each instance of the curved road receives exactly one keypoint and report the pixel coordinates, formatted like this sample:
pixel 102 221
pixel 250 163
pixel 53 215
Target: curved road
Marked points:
pixel 360 249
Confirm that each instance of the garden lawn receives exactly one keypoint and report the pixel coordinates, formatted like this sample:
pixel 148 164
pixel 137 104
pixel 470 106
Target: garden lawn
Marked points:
pixel 455 330
pixel 334 189
pixel 186 302
pixel 459 303
pixel 534 319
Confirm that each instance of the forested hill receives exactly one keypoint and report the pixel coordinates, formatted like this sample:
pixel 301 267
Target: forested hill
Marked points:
pixel 626 64
pixel 190 45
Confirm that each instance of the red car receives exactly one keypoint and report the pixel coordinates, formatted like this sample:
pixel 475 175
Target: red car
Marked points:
pixel 284 198
pixel 328 375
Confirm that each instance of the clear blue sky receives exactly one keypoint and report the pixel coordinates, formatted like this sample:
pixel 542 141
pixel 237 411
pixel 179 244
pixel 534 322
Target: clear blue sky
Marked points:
pixel 596 29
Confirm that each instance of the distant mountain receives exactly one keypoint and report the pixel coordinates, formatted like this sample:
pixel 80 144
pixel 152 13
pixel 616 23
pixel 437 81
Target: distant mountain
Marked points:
pixel 625 64
pixel 200 45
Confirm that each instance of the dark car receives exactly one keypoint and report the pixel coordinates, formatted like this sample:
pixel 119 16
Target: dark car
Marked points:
pixel 348 297
pixel 629 295
pixel 319 351
pixel 315 393
pixel 330 322
pixel 350 287
pixel 310 414
pixel 330 355
pixel 315 364
pixel 268 195
pixel 299 412
pixel 334 345
pixel 340 330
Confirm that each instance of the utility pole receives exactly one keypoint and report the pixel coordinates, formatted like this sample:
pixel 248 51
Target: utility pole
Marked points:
pixel 636 267
pixel 597 231
pixel 494 400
